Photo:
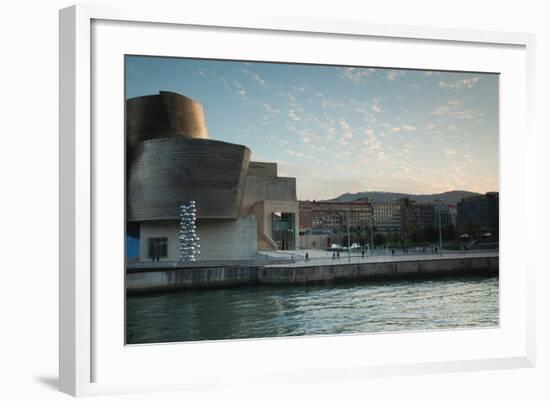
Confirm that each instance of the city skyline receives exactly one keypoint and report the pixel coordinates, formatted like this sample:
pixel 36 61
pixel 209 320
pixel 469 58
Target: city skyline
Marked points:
pixel 343 129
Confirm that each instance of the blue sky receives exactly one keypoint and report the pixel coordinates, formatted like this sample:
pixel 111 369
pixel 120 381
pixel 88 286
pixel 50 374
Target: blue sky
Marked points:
pixel 343 129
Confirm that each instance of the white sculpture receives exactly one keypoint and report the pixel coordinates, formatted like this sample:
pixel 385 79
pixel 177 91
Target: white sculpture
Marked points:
pixel 189 241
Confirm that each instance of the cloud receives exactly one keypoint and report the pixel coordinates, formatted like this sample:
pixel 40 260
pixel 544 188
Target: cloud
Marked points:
pixel 328 103
pixel 453 109
pixel 271 109
pixel 393 74
pixel 430 73
pixel 239 90
pixel 356 75
pixel 460 83
pixel 450 153
pixel 403 127
pixel 300 155
pixel 359 107
pixel 292 115
pixel 375 106
pixel 255 77
pixel 371 140
pixel 134 70
pixel 304 135
pixel 347 133
pixel 295 110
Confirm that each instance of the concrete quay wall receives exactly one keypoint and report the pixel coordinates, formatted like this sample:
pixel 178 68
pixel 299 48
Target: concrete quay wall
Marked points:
pixel 188 278
pixel 378 270
pixel 232 276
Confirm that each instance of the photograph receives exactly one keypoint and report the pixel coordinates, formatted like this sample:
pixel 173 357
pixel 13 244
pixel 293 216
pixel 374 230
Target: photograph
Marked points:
pixel 272 199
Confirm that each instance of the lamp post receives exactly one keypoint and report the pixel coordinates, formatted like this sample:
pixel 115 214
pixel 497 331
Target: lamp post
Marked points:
pixel 349 242
pixel 439 221
pixel 372 234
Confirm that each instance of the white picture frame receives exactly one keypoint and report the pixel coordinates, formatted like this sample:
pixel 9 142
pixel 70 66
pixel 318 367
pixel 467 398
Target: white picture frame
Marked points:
pixel 86 340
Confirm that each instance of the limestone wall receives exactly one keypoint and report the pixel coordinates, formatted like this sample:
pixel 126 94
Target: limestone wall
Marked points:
pixel 259 188
pixel 219 239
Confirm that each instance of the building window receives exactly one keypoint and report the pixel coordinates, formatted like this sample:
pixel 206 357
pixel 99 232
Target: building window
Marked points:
pixel 158 248
pixel 283 230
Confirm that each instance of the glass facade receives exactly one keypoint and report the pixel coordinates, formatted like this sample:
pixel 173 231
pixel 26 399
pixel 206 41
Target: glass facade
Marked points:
pixel 158 248
pixel 283 228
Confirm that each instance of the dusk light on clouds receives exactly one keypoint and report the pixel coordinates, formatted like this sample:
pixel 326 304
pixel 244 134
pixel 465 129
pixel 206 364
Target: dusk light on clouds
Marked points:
pixel 343 129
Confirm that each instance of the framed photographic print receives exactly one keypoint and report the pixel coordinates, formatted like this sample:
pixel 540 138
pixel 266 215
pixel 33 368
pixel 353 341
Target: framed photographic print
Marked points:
pixel 289 198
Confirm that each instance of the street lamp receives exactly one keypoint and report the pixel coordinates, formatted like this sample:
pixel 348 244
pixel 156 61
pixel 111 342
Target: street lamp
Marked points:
pixel 439 220
pixel 349 242
pixel 372 233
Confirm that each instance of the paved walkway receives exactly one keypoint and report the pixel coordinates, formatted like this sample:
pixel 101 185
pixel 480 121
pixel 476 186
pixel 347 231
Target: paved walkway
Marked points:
pixel 321 258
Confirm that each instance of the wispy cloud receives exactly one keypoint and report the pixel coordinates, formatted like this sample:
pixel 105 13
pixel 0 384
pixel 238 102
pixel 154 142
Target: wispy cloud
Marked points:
pixel 254 77
pixel 393 74
pixel 403 128
pixel 239 90
pixel 356 75
pixel 301 155
pixel 346 130
pixel 270 108
pixel 371 141
pixel 304 135
pixel 375 106
pixel 450 152
pixel 295 110
pixel 454 109
pixel 459 83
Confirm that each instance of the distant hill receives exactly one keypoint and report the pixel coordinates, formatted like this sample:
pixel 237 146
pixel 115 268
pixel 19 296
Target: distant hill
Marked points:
pixel 449 198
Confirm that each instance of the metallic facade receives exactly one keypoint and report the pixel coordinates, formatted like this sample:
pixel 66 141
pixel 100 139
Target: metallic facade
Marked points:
pixel 164 173
pixel 162 116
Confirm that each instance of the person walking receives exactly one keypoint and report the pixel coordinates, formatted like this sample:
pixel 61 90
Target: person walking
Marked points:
pixel 307 257
pixel 392 252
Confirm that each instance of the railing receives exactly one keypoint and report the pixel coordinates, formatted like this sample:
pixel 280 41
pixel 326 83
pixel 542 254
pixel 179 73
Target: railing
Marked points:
pixel 174 265
pixel 388 257
pixel 290 258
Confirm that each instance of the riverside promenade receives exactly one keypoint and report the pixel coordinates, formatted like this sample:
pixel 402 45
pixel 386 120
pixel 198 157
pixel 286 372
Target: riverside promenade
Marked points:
pixel 292 268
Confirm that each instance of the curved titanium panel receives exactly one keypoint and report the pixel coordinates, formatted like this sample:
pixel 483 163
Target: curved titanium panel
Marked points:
pixel 164 173
pixel 163 116
pixel 186 115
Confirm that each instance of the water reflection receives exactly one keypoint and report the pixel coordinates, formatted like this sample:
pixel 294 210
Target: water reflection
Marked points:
pixel 253 312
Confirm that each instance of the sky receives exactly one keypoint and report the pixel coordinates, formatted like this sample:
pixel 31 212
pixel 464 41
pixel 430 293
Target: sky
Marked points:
pixel 341 129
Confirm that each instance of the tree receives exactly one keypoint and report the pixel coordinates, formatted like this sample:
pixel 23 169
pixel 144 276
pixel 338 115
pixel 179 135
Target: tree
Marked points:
pixel 430 234
pixel 449 233
pixel 379 239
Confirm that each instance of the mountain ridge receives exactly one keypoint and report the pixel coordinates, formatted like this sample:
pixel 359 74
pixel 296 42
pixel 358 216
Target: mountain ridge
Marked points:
pixel 448 197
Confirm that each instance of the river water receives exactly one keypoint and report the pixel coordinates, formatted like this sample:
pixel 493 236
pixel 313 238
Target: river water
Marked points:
pixel 254 312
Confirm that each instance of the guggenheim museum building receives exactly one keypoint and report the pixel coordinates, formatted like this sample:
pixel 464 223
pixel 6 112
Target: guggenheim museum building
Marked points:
pixel 242 206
